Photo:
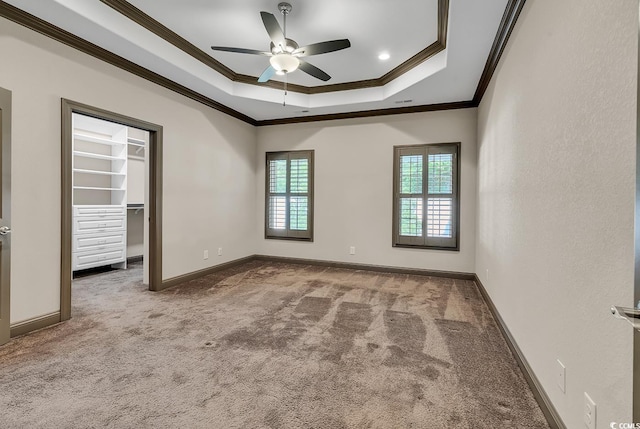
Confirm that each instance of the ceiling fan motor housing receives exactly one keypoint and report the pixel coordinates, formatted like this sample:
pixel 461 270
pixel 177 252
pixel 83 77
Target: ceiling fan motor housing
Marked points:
pixel 291 46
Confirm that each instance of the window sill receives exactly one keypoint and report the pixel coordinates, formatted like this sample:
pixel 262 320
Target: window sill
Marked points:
pixel 307 239
pixel 410 246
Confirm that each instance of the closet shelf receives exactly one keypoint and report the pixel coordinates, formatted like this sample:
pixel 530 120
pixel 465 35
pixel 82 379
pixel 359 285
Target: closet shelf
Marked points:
pixel 98 156
pixel 105 173
pixel 135 206
pixel 92 139
pixel 136 142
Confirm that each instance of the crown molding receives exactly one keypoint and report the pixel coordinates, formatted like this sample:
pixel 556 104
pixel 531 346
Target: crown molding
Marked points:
pixel 370 113
pixel 508 22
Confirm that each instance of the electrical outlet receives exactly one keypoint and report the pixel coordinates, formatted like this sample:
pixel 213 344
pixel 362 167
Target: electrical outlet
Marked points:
pixel 352 250
pixel 561 376
pixel 589 412
pixel 206 254
pixel 219 251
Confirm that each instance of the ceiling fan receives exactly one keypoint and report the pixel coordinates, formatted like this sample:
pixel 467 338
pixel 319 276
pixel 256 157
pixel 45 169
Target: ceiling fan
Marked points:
pixel 285 54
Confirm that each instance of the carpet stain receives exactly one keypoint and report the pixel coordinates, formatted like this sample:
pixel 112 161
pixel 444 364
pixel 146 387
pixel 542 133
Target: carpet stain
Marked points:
pixel 273 420
pixel 406 330
pixel 276 329
pixel 313 308
pixel 371 347
pixel 352 320
pixel 417 362
pixel 179 378
pixel 493 383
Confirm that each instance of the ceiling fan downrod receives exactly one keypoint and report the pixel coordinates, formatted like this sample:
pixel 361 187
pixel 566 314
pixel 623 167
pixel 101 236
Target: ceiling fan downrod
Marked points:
pixel 285 9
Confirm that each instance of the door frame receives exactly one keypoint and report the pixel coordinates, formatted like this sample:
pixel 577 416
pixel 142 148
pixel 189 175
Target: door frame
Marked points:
pixel 5 214
pixel 636 288
pixel 155 195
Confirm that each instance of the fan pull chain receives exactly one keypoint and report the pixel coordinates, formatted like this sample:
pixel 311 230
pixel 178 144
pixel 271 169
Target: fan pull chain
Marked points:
pixel 284 100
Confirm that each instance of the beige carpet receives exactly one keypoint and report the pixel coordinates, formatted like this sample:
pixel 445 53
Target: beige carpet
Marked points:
pixel 268 345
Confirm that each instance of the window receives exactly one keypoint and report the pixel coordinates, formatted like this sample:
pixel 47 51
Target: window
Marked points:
pixel 289 196
pixel 426 196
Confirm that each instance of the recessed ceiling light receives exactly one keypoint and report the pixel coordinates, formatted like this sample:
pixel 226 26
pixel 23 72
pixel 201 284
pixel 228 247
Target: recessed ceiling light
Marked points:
pixel 384 56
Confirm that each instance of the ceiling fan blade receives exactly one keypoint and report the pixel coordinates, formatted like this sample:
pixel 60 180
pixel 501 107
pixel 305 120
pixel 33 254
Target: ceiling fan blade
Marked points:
pixel 267 74
pixel 313 71
pixel 241 50
pixel 273 28
pixel 322 48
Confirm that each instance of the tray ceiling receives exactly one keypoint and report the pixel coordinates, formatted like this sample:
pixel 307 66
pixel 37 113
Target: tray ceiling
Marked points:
pixel 173 39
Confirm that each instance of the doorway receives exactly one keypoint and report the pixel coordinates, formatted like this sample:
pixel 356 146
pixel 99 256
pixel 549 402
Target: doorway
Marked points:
pixel 113 200
pixel 5 214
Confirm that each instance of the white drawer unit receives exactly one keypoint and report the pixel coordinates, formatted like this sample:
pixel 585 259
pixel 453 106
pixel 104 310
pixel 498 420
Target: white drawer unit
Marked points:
pixel 99 211
pixel 98 258
pixel 96 225
pixel 98 241
pixel 99 236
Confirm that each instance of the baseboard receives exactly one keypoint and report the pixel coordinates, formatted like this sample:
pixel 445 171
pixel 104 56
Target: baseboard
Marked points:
pixel 553 418
pixel 367 267
pixel 174 281
pixel 35 324
pixel 134 259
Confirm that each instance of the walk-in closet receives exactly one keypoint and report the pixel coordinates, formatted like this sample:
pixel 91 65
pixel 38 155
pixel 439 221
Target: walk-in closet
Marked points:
pixel 109 195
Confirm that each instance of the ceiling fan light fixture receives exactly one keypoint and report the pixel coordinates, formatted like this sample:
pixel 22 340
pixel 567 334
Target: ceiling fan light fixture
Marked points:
pixel 285 53
pixel 285 63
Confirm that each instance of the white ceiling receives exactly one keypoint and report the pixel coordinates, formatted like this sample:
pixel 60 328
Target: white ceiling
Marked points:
pixel 401 28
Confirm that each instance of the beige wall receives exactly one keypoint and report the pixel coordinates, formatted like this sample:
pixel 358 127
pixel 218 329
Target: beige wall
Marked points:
pixel 209 164
pixel 556 197
pixel 353 187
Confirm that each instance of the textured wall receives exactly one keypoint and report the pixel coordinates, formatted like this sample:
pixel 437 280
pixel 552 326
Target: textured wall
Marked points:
pixel 354 182
pixel 556 196
pixel 209 164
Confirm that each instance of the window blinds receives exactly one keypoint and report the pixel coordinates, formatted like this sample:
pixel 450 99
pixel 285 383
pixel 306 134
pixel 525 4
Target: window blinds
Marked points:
pixel 289 178
pixel 426 195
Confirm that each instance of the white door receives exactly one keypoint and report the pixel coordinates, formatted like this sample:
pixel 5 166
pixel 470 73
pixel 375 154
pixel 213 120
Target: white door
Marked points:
pixel 5 211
